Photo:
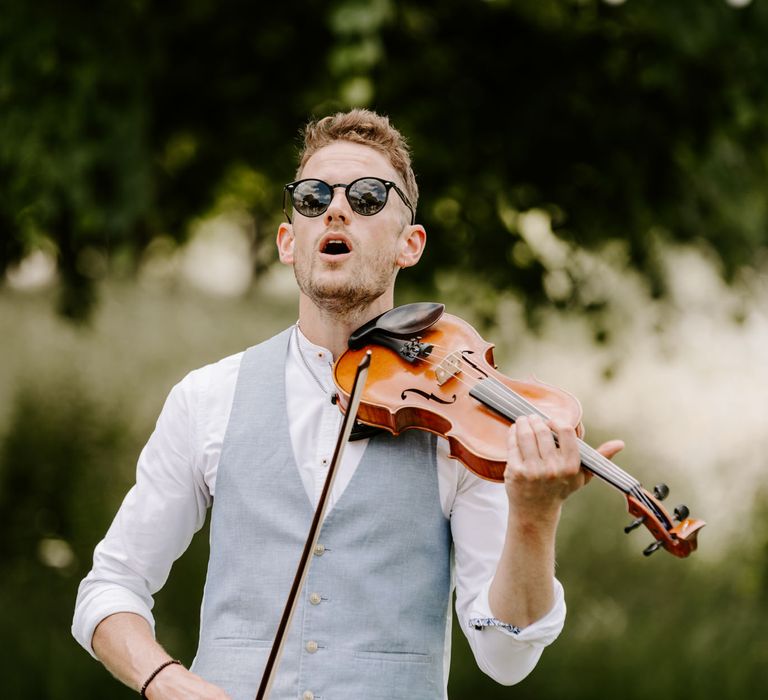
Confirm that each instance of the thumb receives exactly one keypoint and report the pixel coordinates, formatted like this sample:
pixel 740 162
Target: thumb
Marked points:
pixel 610 448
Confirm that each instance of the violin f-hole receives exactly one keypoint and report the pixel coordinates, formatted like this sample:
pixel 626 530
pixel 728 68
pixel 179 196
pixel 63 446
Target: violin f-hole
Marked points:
pixel 428 397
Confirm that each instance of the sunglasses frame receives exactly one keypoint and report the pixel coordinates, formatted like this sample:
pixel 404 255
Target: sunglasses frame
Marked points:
pixel 290 188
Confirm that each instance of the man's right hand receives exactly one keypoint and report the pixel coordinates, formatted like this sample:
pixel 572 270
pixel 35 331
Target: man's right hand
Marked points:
pixel 124 643
pixel 177 683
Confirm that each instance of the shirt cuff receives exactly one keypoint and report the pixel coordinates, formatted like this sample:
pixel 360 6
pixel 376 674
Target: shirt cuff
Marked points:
pixel 540 633
pixel 94 606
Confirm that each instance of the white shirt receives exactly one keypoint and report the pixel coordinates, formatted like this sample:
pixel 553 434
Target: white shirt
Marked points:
pixel 176 480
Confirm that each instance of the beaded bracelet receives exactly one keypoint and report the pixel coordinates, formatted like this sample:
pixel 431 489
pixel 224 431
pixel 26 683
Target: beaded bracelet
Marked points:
pixel 154 673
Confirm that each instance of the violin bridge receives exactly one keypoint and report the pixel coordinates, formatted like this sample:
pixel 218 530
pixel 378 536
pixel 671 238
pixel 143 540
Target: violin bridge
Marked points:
pixel 448 367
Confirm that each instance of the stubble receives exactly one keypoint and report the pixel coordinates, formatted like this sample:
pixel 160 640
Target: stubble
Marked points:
pixel 346 292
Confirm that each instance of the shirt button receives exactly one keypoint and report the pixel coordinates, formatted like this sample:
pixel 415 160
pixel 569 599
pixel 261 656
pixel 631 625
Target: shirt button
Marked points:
pixel 315 598
pixel 308 695
pixel 319 550
pixel 311 647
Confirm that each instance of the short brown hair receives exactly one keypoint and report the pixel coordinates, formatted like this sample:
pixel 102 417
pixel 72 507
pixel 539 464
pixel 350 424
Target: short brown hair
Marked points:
pixel 369 129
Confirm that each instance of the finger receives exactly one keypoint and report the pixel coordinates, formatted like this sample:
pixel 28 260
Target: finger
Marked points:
pixel 545 441
pixel 569 446
pixel 526 440
pixel 610 448
pixel 512 436
pixel 513 449
pixel 514 458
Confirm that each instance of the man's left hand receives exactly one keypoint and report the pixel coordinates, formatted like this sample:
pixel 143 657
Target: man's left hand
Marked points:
pixel 542 472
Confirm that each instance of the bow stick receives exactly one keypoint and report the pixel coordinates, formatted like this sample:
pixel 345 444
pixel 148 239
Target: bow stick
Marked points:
pixel 347 424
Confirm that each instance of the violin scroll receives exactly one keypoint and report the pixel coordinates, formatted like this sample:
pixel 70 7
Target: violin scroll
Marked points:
pixel 679 539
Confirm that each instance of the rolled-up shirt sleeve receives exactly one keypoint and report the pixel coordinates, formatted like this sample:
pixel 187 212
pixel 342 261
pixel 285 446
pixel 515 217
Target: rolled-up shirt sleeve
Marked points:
pixel 155 522
pixel 508 654
pixel 478 524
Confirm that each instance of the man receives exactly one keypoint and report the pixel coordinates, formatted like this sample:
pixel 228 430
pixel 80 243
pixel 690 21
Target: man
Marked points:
pixel 404 523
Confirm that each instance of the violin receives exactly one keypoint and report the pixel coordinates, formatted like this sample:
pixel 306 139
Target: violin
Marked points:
pixel 433 371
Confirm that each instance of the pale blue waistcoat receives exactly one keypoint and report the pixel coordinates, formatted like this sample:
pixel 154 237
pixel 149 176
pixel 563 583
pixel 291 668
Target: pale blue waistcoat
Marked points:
pixel 371 620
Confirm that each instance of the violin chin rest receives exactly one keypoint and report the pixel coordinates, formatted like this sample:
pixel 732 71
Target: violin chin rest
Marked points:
pixel 403 322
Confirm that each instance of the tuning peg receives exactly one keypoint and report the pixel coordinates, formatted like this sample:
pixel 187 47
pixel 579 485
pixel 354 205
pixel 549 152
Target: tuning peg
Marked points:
pixel 634 524
pixel 661 491
pixel 681 513
pixel 651 548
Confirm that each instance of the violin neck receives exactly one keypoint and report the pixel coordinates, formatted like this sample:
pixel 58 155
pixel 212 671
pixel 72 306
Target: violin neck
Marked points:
pixel 603 467
pixel 511 405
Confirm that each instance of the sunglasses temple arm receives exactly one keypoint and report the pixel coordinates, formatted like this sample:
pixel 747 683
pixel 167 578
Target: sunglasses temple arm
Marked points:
pixel 285 207
pixel 402 196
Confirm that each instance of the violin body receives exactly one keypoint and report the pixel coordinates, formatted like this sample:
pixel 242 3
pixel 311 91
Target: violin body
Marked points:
pixel 399 396
pixel 433 371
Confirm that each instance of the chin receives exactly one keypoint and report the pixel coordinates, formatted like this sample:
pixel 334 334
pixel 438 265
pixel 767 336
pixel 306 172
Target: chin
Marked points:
pixel 344 299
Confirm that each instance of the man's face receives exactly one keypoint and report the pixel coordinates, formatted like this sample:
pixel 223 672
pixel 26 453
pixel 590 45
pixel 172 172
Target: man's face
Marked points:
pixel 343 260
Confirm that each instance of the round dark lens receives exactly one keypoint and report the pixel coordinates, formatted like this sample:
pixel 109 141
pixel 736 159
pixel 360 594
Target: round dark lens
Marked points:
pixel 367 196
pixel 311 197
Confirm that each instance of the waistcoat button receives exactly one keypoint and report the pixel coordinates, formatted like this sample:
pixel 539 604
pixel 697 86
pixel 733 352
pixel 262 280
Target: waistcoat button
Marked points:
pixel 315 598
pixel 311 646
pixel 319 550
pixel 308 695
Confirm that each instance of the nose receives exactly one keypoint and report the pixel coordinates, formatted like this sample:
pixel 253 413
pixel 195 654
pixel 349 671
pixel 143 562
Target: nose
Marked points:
pixel 338 209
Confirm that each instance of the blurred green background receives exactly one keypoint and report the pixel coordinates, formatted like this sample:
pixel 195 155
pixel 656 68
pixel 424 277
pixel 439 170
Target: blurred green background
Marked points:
pixel 593 180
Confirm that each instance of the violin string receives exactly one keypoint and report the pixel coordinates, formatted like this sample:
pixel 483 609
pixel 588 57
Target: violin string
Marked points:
pixel 590 457
pixel 596 462
pixel 509 399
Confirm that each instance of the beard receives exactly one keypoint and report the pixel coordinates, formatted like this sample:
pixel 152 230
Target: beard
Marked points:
pixel 345 292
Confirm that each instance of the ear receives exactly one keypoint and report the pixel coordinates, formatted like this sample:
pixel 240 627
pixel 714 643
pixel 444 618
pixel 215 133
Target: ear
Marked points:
pixel 285 242
pixel 411 245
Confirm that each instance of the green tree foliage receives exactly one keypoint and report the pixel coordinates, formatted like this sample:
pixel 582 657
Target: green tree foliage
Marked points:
pixel 617 120
pixel 56 485
pixel 634 122
pixel 120 121
pixel 638 627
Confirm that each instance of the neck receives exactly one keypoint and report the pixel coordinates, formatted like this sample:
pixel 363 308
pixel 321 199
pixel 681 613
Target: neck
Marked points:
pixel 331 329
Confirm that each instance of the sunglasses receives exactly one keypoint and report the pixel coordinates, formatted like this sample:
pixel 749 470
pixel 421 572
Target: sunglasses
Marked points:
pixel 366 195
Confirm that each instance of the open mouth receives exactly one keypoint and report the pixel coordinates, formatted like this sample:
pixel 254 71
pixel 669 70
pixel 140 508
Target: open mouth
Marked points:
pixel 335 246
